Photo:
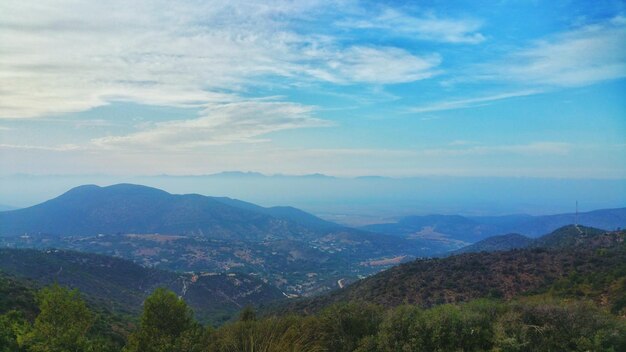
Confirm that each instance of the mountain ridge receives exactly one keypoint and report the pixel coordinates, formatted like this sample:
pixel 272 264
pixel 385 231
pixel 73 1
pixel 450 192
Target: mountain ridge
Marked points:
pixel 129 208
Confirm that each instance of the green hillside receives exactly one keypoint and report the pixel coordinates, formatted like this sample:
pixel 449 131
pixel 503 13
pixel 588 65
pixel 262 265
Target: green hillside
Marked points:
pixel 569 297
pixel 121 286
pixel 501 274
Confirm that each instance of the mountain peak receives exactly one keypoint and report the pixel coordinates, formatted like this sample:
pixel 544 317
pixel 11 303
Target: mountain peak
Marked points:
pixel 130 208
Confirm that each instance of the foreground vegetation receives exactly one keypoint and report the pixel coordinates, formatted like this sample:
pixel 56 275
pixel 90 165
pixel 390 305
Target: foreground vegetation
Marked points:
pixel 572 298
pixel 539 323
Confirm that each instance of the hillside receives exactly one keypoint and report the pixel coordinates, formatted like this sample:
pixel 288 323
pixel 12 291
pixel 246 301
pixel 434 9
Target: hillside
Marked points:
pixel 476 228
pixel 497 243
pixel 498 274
pixel 17 294
pixel 121 286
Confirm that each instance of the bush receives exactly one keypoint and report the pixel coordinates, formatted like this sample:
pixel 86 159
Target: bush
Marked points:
pixel 552 326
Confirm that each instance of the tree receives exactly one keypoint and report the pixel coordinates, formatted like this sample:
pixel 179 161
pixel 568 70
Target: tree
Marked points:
pixel 247 314
pixel 341 326
pixel 12 324
pixel 167 325
pixel 62 324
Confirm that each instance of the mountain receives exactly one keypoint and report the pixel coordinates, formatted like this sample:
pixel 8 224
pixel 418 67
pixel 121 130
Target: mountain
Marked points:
pixel 574 236
pixel 476 228
pixel 121 286
pixel 125 208
pixel 501 274
pixel 293 250
pixel 497 243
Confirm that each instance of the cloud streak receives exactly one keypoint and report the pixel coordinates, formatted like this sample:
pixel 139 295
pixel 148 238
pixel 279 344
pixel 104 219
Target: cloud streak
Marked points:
pixel 471 102
pixel 220 124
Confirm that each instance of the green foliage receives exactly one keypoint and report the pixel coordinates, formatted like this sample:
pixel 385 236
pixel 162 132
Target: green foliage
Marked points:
pixel 550 326
pixel 247 314
pixel 12 325
pixel 167 325
pixel 274 334
pixel 533 323
pixel 342 326
pixel 578 304
pixel 444 328
pixel 607 286
pixel 17 294
pixel 62 324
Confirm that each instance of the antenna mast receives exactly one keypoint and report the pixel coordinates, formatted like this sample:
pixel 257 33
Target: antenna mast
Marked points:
pixel 576 217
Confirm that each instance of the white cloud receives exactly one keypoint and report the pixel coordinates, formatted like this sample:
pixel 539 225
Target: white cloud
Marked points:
pixel 427 27
pixel 69 56
pixel 219 124
pixel 584 56
pixel 379 65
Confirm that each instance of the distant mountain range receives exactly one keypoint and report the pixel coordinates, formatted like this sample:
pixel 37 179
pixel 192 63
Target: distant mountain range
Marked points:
pixel 352 201
pixel 569 252
pixel 473 229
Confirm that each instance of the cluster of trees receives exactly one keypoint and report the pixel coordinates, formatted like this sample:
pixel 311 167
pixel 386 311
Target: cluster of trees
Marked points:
pixel 65 323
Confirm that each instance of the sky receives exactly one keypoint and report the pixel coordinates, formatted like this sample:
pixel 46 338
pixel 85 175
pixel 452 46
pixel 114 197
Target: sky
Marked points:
pixel 346 88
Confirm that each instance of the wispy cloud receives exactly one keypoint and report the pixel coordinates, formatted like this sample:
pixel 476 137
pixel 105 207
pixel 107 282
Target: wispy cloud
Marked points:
pixel 534 148
pixel 192 55
pixel 380 65
pixel 583 56
pixel 55 148
pixel 219 124
pixel 426 27
pixel 471 102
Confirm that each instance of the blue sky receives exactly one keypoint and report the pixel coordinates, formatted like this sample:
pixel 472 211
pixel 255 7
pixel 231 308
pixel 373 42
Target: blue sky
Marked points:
pixel 347 88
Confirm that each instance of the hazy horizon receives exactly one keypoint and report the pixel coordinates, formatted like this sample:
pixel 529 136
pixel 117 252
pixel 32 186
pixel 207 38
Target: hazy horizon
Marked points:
pixel 466 109
pixel 354 201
